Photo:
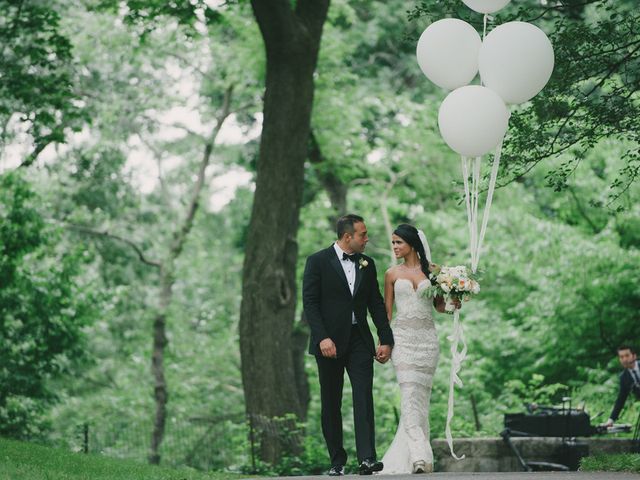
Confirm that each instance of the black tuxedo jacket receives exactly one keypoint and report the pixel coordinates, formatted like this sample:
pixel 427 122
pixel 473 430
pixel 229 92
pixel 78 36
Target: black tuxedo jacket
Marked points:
pixel 626 387
pixel 328 303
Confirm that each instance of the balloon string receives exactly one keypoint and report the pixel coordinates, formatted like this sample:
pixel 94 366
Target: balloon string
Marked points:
pixel 484 30
pixel 472 194
pixel 467 199
pixel 476 201
pixel 485 19
pixel 474 209
pixel 471 198
pixel 487 206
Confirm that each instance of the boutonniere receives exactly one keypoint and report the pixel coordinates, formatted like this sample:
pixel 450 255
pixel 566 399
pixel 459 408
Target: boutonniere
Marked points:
pixel 363 263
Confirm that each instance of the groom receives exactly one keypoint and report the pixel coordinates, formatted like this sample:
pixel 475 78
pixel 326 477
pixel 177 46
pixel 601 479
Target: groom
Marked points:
pixel 339 286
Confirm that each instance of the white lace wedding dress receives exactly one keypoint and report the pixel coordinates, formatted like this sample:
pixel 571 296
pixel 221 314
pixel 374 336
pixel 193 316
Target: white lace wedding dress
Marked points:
pixel 414 357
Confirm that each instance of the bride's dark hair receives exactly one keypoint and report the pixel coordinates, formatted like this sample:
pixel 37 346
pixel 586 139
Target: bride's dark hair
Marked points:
pixel 409 234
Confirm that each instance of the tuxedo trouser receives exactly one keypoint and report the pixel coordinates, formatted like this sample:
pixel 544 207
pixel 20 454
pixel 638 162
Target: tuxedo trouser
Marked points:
pixel 358 362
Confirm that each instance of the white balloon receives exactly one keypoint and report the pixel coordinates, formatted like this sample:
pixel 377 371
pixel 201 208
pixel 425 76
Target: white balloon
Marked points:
pixel 486 6
pixel 473 120
pixel 516 60
pixel 448 53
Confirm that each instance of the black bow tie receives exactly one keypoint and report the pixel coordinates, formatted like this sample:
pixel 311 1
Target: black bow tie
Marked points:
pixel 353 257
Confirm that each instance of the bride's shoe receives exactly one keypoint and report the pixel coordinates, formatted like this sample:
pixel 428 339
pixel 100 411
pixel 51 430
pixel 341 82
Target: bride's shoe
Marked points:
pixel 422 467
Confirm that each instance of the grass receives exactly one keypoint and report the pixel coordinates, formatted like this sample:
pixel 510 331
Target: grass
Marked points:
pixel 28 461
pixel 623 462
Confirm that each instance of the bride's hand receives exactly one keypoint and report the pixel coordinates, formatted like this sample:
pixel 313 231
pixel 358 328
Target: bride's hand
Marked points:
pixel 383 354
pixel 439 303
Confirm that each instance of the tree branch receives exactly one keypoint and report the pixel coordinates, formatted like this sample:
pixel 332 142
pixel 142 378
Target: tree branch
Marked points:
pixel 550 151
pixel 179 236
pixel 561 8
pixel 607 52
pixel 33 156
pixel 106 234
pixel 336 189
pixel 177 125
pixel 582 212
pixel 185 60
pixel 157 155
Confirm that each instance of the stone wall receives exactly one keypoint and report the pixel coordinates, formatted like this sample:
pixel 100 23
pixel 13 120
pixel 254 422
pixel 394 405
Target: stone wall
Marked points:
pixel 494 455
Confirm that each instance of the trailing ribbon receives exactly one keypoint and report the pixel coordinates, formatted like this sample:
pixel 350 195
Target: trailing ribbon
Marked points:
pixel 457 357
pixel 470 167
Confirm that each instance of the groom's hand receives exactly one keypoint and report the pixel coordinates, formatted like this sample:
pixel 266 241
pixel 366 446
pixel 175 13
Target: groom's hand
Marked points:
pixel 383 353
pixel 328 348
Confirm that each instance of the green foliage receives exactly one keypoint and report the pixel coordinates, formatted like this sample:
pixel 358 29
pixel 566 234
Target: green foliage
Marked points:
pixel 36 85
pixel 43 309
pixel 536 390
pixel 28 461
pixel 148 15
pixel 205 419
pixel 625 462
pixel 559 266
pixel 592 94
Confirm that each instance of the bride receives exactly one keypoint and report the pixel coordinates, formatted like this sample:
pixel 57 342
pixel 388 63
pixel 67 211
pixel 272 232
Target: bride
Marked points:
pixel 416 350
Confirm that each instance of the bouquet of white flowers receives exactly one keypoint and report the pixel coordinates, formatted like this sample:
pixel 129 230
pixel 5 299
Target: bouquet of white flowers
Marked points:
pixel 453 283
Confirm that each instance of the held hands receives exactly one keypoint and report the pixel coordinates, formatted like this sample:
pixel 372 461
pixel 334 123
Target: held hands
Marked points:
pixel 328 348
pixel 383 353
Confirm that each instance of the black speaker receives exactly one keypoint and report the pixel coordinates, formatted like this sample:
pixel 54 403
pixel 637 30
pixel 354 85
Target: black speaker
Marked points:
pixel 571 423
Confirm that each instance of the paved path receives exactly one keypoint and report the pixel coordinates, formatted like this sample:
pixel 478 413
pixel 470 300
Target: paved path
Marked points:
pixel 493 476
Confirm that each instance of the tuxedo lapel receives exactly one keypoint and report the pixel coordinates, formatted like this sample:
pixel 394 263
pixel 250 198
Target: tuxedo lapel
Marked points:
pixel 335 263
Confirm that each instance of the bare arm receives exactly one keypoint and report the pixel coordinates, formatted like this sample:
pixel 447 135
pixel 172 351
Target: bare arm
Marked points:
pixel 389 296
pixel 377 309
pixel 439 303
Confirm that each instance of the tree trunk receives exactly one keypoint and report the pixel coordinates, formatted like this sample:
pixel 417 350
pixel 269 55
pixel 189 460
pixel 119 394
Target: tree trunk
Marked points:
pixel 167 279
pixel 292 41
pixel 160 391
pixel 299 345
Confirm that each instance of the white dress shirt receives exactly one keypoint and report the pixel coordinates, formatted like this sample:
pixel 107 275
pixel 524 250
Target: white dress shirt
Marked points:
pixel 349 268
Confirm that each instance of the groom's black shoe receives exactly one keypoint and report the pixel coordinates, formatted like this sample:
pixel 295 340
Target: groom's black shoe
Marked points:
pixel 336 471
pixel 369 465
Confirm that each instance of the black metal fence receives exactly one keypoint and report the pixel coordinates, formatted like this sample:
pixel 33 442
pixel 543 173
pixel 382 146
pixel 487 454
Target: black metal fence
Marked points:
pixel 218 443
pixel 221 443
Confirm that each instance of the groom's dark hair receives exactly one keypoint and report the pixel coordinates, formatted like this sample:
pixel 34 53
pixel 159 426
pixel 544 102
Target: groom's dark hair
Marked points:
pixel 345 224
pixel 627 346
